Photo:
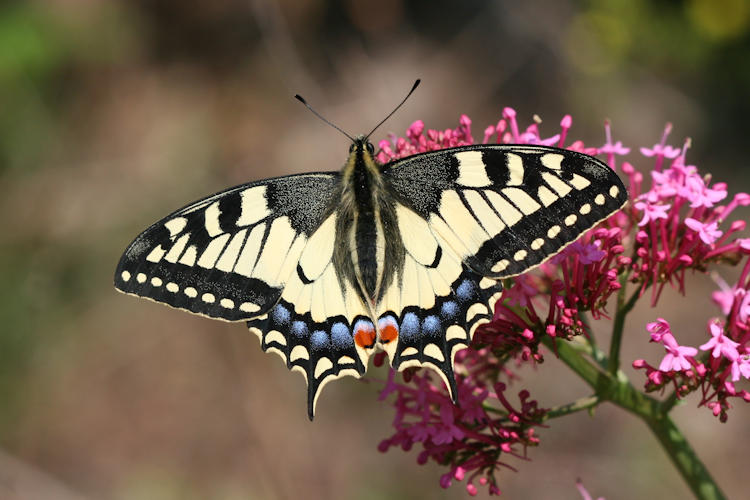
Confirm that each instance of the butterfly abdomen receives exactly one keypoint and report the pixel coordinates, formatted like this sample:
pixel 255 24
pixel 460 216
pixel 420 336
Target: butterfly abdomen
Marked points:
pixel 368 234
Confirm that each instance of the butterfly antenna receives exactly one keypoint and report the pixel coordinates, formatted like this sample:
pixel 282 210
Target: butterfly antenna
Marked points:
pixel 303 101
pixel 413 88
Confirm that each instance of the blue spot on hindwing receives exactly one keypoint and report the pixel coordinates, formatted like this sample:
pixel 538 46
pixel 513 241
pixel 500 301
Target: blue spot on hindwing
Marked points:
pixel 431 325
pixel 299 329
pixel 319 340
pixel 409 326
pixel 466 291
pixel 449 310
pixel 341 336
pixel 281 315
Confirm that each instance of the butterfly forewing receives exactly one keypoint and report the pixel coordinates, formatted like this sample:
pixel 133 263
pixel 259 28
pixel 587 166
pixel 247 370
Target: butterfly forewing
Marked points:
pixel 228 256
pixel 506 208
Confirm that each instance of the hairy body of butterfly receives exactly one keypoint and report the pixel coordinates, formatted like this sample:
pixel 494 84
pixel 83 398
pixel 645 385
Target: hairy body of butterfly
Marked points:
pixel 327 268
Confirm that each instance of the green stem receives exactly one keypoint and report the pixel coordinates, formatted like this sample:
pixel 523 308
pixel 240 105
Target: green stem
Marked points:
pixel 623 308
pixel 576 406
pixel 618 390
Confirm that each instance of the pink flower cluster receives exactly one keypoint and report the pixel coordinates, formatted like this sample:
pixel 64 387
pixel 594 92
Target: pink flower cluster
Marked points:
pixel 681 226
pixel 677 224
pixel 470 437
pixel 724 361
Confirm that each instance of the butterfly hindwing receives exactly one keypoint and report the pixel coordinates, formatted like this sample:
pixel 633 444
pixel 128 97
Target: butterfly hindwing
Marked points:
pixel 506 208
pixel 433 307
pixel 228 256
pixel 319 327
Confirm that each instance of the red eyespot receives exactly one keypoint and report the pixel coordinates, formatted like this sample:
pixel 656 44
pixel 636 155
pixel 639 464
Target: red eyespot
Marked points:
pixel 388 332
pixel 364 334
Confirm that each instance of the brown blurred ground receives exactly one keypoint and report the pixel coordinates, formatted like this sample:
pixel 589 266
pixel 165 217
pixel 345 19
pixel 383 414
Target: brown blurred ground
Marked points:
pixel 113 114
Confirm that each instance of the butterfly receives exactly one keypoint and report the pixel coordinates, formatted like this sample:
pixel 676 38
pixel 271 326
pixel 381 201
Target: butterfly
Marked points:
pixel 406 257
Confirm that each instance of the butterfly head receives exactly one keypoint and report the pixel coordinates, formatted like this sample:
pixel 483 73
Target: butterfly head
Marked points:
pixel 361 143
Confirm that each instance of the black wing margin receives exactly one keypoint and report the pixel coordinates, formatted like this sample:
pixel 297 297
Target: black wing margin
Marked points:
pixel 229 255
pixel 506 208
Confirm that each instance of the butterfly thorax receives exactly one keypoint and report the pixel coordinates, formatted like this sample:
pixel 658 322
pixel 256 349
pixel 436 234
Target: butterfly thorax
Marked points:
pixel 369 252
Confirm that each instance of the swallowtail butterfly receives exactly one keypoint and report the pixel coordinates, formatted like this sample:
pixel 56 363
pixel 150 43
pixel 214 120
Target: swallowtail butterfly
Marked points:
pixel 328 268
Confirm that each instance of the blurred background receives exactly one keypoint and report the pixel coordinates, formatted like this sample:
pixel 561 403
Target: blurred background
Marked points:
pixel 112 114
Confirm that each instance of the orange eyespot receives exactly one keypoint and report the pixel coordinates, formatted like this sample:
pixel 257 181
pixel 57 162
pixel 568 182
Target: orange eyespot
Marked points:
pixel 364 334
pixel 388 332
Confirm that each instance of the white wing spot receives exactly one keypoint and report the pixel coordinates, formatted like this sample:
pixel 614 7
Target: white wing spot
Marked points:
pixel 299 352
pixel 455 332
pixel 500 266
pixel 175 226
pixel 475 310
pixel 507 211
pixel 211 215
pixel 253 206
pixel 571 219
pixel 434 351
pixel 322 366
pixel 249 307
pixel 520 255
pixel 156 281
pixel 614 191
pixel 552 160
pixel 409 351
pixel 555 183
pixel 599 200
pixel 226 303
pixel 176 250
pixel 346 360
pixel 229 256
pixel 208 298
pixel 585 209
pixel 579 182
pixel 156 254
pixel 515 169
pixel 190 292
pixel 471 170
pixel 141 278
pixel 553 232
pixel 173 287
pixel 546 196
pixel 537 244
pixel 275 336
pixel 213 250
pixel 188 258
pixel 522 200
pixel 125 275
pixel 487 283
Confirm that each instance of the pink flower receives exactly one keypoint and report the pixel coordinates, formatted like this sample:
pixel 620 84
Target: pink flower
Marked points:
pixel 662 150
pixel 707 232
pixel 658 329
pixel 744 311
pixel 447 431
pixel 611 149
pixel 700 195
pixel 719 344
pixel 724 297
pixel 676 357
pixel 651 211
pixel 741 367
